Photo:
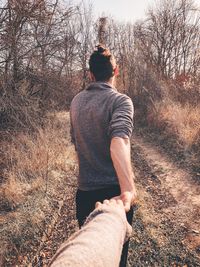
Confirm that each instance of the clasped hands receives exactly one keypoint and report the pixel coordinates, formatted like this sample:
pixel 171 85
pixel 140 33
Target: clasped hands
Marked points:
pixel 125 200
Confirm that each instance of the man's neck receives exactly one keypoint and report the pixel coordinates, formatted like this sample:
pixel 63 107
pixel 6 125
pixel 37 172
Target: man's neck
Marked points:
pixel 111 82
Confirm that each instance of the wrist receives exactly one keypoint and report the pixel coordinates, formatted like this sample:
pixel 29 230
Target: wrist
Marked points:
pixel 128 189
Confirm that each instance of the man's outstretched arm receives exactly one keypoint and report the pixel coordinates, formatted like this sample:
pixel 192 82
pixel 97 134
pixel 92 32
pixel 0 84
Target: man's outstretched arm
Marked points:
pixel 121 157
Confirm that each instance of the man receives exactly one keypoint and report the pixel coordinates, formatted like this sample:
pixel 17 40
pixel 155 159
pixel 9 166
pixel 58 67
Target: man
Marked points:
pixel 101 127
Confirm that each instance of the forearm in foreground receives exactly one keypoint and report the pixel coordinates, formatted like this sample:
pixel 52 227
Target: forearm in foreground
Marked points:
pixel 98 243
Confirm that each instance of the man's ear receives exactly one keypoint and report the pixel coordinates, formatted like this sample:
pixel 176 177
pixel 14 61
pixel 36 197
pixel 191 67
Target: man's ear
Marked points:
pixel 116 71
pixel 91 75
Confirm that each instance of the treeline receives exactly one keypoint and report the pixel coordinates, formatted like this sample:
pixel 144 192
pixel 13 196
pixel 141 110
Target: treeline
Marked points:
pixel 45 46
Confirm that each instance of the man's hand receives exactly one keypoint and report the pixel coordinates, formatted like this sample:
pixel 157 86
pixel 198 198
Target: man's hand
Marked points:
pixel 128 198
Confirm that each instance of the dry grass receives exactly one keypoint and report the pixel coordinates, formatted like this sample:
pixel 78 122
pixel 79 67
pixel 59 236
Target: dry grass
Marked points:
pixel 36 168
pixel 177 113
pixel 183 121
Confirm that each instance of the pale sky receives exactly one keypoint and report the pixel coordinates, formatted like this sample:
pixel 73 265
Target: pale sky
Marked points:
pixel 128 10
pixel 123 10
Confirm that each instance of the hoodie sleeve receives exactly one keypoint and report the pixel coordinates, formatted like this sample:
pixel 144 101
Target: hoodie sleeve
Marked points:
pixel 121 124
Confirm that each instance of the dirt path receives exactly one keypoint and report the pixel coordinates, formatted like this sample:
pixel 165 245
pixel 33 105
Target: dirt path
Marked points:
pixel 167 224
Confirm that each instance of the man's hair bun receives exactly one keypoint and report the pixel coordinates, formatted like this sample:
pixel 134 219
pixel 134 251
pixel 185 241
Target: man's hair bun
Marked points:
pixel 102 63
pixel 100 49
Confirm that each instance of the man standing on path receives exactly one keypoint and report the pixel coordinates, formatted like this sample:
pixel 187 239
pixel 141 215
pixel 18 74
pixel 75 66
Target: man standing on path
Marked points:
pixel 101 127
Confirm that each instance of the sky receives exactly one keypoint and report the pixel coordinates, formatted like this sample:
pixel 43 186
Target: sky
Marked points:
pixel 124 10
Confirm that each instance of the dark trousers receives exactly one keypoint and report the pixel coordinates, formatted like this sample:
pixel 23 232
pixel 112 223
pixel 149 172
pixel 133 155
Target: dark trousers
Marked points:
pixel 85 204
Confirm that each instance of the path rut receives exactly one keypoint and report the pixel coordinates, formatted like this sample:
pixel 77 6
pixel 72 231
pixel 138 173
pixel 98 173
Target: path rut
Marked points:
pixel 167 224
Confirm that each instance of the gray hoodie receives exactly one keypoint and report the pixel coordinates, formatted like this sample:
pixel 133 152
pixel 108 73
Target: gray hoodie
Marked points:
pixel 98 114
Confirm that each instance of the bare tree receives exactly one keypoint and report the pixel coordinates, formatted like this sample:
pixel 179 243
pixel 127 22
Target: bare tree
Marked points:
pixel 170 37
pixel 85 38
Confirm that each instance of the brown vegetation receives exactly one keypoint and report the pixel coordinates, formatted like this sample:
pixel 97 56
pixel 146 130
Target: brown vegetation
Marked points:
pixel 35 171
